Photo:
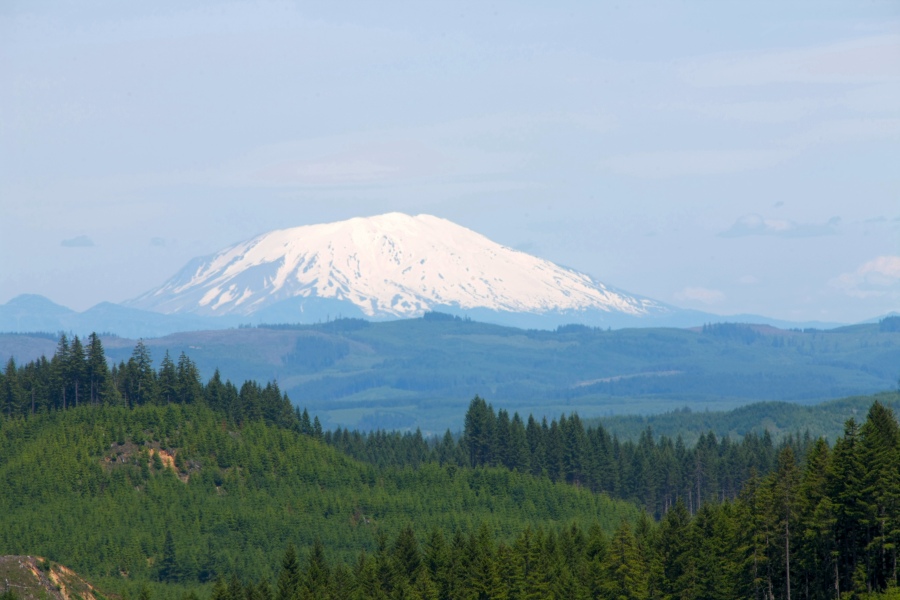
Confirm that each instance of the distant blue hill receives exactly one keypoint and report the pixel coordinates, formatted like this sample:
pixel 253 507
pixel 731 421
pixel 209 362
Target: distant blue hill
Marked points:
pixel 31 312
pixel 34 313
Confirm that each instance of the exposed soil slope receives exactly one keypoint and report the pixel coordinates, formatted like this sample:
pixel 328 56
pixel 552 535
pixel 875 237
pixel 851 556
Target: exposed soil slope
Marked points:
pixel 34 578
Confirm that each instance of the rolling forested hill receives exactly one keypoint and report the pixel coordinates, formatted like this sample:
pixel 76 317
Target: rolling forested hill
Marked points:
pixel 138 476
pixel 178 496
pixel 779 419
pixel 422 372
pixel 101 488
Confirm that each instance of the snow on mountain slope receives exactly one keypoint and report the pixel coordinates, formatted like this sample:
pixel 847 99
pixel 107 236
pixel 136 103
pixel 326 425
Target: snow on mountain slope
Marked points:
pixel 388 265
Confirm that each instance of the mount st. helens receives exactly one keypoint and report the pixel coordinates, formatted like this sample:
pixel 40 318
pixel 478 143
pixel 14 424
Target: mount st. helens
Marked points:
pixel 387 266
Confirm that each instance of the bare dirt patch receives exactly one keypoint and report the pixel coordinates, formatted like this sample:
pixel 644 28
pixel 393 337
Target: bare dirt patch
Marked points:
pixel 33 578
pixel 130 453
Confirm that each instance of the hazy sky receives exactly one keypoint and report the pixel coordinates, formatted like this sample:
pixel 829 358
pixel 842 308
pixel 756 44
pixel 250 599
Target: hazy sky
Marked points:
pixel 726 156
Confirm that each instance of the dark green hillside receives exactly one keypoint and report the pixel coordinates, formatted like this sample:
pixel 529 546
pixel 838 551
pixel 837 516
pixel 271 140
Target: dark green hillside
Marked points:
pixel 422 372
pixel 101 488
pixel 653 472
pixel 825 419
pixel 823 526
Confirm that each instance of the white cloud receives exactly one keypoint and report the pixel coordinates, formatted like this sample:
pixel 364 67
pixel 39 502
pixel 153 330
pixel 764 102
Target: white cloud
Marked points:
pixel 700 294
pixel 754 224
pixel 875 278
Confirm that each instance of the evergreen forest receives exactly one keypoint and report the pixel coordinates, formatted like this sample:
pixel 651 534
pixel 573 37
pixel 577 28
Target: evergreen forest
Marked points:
pixel 156 484
pixel 410 373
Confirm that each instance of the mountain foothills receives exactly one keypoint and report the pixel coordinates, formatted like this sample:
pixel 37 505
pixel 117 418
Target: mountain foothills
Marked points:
pixel 158 485
pixel 421 372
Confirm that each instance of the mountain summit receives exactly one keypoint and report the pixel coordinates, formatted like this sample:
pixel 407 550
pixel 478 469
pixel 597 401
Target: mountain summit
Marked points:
pixel 391 265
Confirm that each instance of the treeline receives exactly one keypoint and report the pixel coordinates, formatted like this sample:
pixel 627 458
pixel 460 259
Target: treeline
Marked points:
pixel 825 530
pixel 78 374
pixel 655 473
pixel 825 419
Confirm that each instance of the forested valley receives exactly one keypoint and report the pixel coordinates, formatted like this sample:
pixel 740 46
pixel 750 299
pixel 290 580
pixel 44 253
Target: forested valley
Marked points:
pixel 158 485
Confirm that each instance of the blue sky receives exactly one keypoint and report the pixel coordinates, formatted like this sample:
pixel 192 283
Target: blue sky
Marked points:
pixel 730 157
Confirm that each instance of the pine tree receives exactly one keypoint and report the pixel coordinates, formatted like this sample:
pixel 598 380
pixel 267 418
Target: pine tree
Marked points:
pixel 554 449
pixel 709 568
pixel 423 588
pixel 536 450
pixel 785 495
pixel 880 450
pixel 518 445
pixel 140 378
pixel 484 577
pixel 305 424
pixel 60 364
pixel 530 548
pixel 288 586
pixel 169 567
pixel 317 579
pixel 511 570
pixel 341 582
pixel 10 391
pixel 167 381
pixel 207 569
pixel 407 559
pixel 677 571
pixel 317 428
pixel 816 559
pixel 264 590
pixel 501 439
pixel 235 589
pixel 365 577
pixel 435 557
pixel 77 370
pixel 101 389
pixel 845 485
pixel 457 571
pixel 187 377
pixel 478 434
pixel 574 450
pixel 624 575
pixel 219 591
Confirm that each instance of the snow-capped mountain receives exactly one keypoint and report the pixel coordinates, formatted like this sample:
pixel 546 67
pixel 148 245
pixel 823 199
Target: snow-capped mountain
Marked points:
pixel 392 265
